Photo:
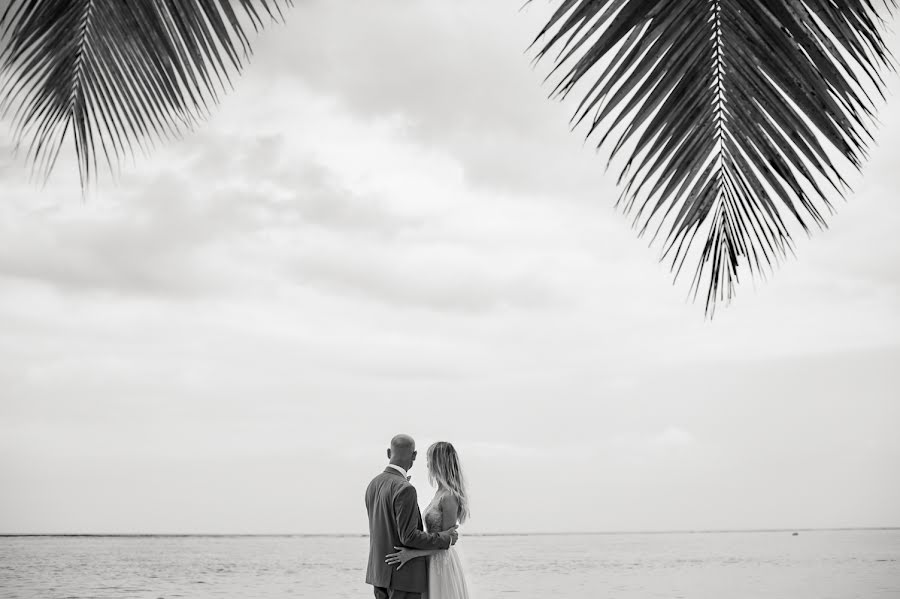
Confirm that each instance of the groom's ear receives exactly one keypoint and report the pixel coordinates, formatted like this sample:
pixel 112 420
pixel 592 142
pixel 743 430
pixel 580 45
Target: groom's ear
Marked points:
pixel 389 453
pixel 415 453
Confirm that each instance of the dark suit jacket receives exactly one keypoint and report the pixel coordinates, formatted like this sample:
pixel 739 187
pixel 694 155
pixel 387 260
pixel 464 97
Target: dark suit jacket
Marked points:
pixel 395 521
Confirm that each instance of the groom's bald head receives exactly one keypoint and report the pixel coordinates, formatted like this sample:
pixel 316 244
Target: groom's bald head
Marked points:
pixel 402 451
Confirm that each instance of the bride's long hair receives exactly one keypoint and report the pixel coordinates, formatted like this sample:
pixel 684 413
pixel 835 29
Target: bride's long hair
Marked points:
pixel 445 473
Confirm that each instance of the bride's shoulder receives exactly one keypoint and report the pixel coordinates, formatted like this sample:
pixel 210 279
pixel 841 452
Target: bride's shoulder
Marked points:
pixel 447 500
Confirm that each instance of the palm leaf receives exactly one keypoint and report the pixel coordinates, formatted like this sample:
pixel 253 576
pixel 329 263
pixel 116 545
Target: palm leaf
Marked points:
pixel 731 114
pixel 117 74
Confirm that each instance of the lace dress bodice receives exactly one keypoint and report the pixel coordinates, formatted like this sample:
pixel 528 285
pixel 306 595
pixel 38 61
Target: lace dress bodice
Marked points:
pixel 434 515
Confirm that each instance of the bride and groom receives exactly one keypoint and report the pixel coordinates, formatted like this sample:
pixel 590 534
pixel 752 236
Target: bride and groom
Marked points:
pixel 407 560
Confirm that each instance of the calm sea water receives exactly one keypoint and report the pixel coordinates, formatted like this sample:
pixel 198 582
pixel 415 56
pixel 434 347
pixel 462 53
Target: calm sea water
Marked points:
pixel 814 565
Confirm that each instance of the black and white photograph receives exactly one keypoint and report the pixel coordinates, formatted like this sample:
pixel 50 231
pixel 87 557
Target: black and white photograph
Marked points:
pixel 449 299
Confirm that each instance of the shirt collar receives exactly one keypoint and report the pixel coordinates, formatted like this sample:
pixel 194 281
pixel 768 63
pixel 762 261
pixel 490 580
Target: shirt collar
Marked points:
pixel 398 469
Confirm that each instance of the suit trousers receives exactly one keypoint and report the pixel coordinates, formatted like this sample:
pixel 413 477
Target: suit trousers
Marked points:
pixel 382 593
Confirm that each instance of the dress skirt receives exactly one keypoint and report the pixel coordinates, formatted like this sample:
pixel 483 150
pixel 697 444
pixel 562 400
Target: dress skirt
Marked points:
pixel 445 577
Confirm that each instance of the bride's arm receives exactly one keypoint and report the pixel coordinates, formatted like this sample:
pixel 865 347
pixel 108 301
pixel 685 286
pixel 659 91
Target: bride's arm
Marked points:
pixel 405 554
pixel 449 511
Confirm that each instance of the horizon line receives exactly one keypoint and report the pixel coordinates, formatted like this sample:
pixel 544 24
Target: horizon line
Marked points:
pixel 471 534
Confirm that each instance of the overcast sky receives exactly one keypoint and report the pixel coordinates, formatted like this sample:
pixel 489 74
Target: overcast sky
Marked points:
pixel 387 228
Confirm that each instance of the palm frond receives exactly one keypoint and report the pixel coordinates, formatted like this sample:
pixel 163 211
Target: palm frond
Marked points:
pixel 117 74
pixel 731 113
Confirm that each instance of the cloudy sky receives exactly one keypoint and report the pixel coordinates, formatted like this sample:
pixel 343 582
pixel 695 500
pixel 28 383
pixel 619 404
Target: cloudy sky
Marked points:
pixel 386 228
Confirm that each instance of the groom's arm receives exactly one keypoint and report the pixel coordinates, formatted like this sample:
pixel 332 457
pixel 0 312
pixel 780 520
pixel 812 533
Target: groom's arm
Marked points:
pixel 406 510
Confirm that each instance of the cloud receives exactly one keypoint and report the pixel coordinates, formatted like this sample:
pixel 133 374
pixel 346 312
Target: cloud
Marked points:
pixel 215 220
pixel 486 449
pixel 151 244
pixel 670 438
pixel 673 437
pixel 460 77
pixel 429 277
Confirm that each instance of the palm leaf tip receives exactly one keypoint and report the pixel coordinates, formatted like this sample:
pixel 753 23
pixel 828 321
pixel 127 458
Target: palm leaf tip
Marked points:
pixel 117 75
pixel 730 115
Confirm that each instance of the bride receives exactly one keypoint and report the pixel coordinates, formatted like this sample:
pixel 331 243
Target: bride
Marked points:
pixel 449 507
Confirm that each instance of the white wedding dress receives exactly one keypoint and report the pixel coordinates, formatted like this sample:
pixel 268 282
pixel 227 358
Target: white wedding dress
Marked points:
pixel 445 572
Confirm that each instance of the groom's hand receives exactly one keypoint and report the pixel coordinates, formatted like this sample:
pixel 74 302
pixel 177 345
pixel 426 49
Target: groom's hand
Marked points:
pixel 454 535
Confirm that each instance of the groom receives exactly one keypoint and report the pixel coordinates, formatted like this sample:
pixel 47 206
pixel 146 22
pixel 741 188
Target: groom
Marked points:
pixel 395 521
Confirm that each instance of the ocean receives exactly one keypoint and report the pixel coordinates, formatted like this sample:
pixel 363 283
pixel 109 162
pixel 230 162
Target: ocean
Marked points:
pixel 825 564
